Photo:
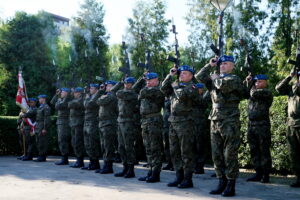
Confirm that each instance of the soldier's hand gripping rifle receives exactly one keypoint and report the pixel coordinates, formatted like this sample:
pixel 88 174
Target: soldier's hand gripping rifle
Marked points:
pixel 125 69
pixel 176 59
pixel 296 62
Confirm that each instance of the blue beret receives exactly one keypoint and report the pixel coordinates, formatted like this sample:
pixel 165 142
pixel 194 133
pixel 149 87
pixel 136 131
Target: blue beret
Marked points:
pixel 261 77
pixel 110 82
pixel 129 80
pixel 42 96
pixel 32 99
pixel 94 85
pixel 65 89
pixel 78 89
pixel 299 73
pixel 226 58
pixel 186 68
pixel 151 75
pixel 200 85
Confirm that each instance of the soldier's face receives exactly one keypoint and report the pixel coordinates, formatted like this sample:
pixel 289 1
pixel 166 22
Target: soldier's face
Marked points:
pixel 200 90
pixel 127 85
pixel 63 94
pixel 93 90
pixel 42 100
pixel 108 87
pixel 226 67
pixel 260 84
pixel 185 76
pixel 77 95
pixel 152 82
pixel 32 103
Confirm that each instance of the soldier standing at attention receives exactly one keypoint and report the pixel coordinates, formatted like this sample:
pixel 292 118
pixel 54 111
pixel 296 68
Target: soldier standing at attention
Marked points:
pixel 108 113
pixel 90 129
pixel 226 91
pixel 293 121
pixel 76 123
pixel 62 122
pixel 152 101
pixel 43 123
pixel 259 133
pixel 182 137
pixel 28 130
pixel 127 105
pixel 200 128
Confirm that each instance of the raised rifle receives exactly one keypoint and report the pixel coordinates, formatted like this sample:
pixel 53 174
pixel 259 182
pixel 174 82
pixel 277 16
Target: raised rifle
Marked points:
pixel 176 59
pixel 296 62
pixel 147 65
pixel 125 69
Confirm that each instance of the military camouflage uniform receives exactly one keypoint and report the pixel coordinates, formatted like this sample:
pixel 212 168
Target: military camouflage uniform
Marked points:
pixel 181 133
pixel 76 123
pixel 259 133
pixel 43 121
pixel 108 113
pixel 127 106
pixel 90 129
pixel 226 92
pixel 166 115
pixel 293 121
pixel 62 122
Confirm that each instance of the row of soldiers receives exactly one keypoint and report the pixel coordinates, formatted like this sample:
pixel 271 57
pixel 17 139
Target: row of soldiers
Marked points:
pixel 119 110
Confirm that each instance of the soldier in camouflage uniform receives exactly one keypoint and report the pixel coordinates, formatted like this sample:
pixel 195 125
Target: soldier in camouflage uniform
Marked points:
pixel 152 101
pixel 108 113
pixel 182 138
pixel 166 115
pixel 200 122
pixel 293 121
pixel 43 123
pixel 76 123
pixel 90 129
pixel 127 105
pixel 62 122
pixel 28 130
pixel 259 133
pixel 226 91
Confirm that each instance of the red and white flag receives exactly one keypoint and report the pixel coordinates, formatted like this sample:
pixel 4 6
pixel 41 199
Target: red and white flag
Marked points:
pixel 22 100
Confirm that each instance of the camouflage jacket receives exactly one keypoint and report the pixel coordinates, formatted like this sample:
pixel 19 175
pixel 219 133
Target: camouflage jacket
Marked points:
pixel 199 108
pixel 182 96
pixel 61 105
pixel 108 109
pixel 166 112
pixel 226 93
pixel 43 114
pixel 127 105
pixel 76 112
pixel 293 93
pixel 91 107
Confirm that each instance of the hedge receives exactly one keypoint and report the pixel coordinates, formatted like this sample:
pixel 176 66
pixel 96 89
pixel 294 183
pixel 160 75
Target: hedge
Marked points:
pixel 279 151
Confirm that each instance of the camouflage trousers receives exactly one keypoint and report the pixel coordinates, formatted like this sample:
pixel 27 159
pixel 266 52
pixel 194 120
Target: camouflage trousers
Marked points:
pixel 166 143
pixel 91 139
pixel 201 141
pixel 78 140
pixel 26 139
pixel 126 139
pixel 108 140
pixel 293 138
pixel 41 140
pixel 64 138
pixel 138 143
pixel 182 145
pixel 152 138
pixel 259 139
pixel 225 142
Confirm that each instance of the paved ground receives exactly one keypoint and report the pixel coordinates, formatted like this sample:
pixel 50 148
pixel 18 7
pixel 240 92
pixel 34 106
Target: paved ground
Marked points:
pixel 31 180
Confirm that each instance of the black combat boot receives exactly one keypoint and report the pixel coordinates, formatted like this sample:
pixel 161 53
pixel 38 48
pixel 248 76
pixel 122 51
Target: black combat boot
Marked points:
pixel 89 165
pixel 95 165
pixel 221 186
pixel 123 172
pixel 27 158
pixel 187 181
pixel 199 169
pixel 79 163
pixel 230 189
pixel 297 183
pixel 256 177
pixel 107 169
pixel 266 176
pixel 169 166
pixel 130 172
pixel 117 158
pixel 145 178
pixel 178 179
pixel 64 161
pixel 40 159
pixel 155 177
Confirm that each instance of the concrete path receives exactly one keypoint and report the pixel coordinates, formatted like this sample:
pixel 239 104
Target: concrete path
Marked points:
pixel 46 181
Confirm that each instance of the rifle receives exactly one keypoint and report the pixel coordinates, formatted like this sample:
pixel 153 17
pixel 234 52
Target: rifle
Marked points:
pixel 248 60
pixel 125 69
pixel 297 62
pixel 176 59
pixel 147 65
